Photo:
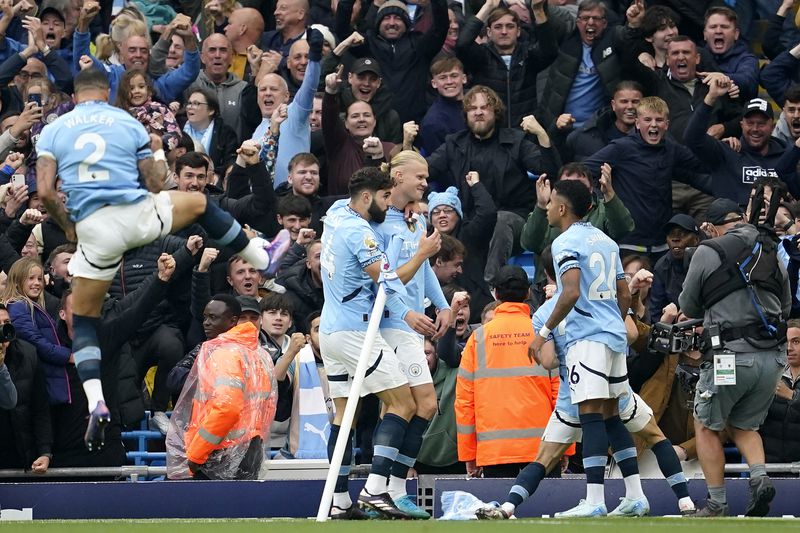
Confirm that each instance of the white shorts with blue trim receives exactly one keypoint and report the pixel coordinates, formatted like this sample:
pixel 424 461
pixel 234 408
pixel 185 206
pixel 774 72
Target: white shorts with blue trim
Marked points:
pixel 595 372
pixel 340 352
pixel 410 350
pixel 106 234
pixel 565 429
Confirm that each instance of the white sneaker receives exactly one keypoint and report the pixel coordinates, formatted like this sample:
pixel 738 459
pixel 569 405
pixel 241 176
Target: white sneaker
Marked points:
pixel 584 509
pixel 631 507
pixel 161 422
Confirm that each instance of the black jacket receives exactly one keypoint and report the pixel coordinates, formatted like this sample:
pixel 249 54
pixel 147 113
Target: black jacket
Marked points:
pixel 29 422
pixel 781 430
pixel 503 162
pixel 404 62
pixel 141 263
pixel 475 231
pixel 594 135
pixel 562 73
pixel 515 85
pixel 304 295
pixel 250 198
pixel 224 143
pixel 120 320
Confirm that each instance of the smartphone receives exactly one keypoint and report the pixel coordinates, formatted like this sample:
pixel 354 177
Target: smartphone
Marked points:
pixel 34 97
pixel 18 180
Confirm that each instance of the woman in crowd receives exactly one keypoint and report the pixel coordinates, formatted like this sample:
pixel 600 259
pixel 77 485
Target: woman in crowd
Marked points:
pixel 211 135
pixel 25 298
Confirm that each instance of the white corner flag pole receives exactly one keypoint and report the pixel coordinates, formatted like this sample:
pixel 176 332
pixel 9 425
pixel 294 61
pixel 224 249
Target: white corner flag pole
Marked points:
pixel 352 401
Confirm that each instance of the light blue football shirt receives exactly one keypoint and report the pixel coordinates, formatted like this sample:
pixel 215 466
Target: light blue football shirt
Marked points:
pixel 349 245
pixel 596 315
pixel 97 148
pixel 400 240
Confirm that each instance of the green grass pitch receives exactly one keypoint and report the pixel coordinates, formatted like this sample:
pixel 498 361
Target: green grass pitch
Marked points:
pixel 609 525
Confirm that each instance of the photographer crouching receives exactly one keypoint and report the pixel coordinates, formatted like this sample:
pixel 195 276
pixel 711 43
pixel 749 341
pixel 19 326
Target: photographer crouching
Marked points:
pixel 736 283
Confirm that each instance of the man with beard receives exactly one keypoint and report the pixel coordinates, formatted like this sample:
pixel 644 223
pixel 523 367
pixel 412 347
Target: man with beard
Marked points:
pixel 787 128
pixel 503 158
pixel 352 261
pixel 732 172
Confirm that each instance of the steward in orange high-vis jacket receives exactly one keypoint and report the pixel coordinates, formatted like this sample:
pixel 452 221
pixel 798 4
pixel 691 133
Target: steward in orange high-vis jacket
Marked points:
pixel 225 410
pixel 503 400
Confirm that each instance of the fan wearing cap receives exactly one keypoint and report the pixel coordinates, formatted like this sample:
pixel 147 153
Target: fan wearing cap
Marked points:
pixel 669 272
pixel 350 144
pixel 403 54
pixel 732 172
pixel 365 83
pixel 495 373
pixel 751 321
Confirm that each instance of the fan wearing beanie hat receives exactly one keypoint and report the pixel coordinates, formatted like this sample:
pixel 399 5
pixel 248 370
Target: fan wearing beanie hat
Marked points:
pixel 447 198
pixel 390 15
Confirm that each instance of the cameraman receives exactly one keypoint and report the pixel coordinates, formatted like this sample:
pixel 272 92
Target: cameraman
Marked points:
pixel 756 352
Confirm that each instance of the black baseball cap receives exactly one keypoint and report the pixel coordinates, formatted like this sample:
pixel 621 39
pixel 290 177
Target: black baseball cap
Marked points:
pixel 682 221
pixel 48 8
pixel 758 105
pixel 720 210
pixel 511 277
pixel 249 304
pixel 365 64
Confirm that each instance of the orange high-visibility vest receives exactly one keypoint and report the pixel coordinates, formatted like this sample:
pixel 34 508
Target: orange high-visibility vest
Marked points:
pixel 503 400
pixel 234 401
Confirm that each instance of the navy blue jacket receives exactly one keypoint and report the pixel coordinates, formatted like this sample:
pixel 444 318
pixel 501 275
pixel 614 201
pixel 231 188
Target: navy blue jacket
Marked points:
pixel 40 330
pixel 742 67
pixel 668 276
pixel 733 173
pixel 780 74
pixel 445 116
pixel 642 174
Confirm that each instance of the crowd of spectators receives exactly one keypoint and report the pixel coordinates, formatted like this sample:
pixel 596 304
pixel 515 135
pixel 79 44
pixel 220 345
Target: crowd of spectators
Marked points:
pixel 268 107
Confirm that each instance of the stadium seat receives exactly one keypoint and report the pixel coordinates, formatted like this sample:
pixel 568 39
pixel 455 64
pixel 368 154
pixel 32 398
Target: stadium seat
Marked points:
pixel 526 260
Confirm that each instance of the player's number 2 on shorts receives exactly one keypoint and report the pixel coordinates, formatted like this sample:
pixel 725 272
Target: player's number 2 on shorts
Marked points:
pixel 606 274
pixel 99 144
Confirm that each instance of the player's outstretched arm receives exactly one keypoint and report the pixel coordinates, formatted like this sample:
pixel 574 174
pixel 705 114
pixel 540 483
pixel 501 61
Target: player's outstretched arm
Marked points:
pixel 46 187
